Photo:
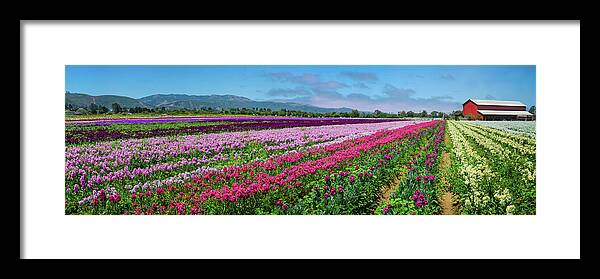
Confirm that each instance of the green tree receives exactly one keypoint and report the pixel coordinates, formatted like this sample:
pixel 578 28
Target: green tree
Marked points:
pixel 457 114
pixel 93 108
pixel 116 108
pixel 103 109
pixel 81 111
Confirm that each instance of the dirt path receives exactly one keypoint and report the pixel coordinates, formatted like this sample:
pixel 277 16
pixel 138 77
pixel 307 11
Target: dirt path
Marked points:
pixel 446 199
pixel 389 189
pixel 446 204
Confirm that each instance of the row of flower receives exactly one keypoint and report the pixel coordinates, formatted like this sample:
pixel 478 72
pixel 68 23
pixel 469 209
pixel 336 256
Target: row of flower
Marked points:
pixel 179 119
pixel 491 173
pixel 339 178
pixel 417 190
pixel 103 133
pixel 135 127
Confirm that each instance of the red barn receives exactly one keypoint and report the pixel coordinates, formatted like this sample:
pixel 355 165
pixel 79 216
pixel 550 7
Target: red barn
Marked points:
pixel 496 110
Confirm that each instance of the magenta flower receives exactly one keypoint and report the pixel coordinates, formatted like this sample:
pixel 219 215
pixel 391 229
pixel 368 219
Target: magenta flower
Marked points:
pixel 419 198
pixel 352 179
pixel 115 198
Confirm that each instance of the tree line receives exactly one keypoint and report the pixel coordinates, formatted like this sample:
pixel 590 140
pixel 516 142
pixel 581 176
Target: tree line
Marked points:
pixel 94 109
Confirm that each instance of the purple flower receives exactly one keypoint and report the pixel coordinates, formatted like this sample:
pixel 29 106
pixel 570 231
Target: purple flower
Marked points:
pixel 352 179
pixel 386 209
pixel 418 178
pixel 327 178
pixel 278 202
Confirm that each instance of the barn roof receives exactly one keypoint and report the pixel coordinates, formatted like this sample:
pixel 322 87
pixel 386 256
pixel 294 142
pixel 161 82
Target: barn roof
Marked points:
pixel 496 103
pixel 504 112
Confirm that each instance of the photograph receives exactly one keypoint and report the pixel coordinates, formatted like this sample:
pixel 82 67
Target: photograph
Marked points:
pixel 300 139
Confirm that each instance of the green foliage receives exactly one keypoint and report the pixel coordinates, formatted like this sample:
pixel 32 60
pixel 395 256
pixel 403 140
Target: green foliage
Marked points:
pixel 397 206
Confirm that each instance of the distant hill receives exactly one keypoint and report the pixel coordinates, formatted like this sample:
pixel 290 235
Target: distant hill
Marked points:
pixel 176 101
pixel 84 100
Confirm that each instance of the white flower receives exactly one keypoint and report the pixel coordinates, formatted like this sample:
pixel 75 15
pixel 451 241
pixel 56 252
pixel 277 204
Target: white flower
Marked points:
pixel 510 209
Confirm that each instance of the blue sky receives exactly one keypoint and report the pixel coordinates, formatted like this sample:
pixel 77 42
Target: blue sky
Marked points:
pixel 389 88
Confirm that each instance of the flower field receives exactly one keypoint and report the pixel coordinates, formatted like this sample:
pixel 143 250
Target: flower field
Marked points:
pixel 519 127
pixel 277 165
pixel 493 171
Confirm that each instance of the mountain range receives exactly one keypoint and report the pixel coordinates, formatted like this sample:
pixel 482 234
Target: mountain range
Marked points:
pixel 179 101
